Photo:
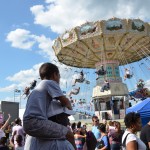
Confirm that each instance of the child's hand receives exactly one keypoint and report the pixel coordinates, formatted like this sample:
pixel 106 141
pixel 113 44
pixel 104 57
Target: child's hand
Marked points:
pixel 9 116
pixel 69 107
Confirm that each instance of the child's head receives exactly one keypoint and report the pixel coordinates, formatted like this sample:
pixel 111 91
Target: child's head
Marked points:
pixel 73 126
pixel 102 127
pixel 18 121
pixel 49 71
pixel 19 139
pixel 79 124
pixel 3 141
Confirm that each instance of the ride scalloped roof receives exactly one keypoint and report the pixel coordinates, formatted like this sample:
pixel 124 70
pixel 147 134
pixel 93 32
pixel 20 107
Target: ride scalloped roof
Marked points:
pixel 124 40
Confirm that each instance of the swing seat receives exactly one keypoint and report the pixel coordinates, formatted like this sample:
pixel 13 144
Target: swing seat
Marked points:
pixel 80 80
pixel 75 92
pixel 129 76
pixel 87 82
pixel 140 86
pixel 101 72
pixel 105 88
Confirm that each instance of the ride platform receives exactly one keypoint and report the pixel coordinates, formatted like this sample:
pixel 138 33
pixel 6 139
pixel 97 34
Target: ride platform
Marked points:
pixel 116 89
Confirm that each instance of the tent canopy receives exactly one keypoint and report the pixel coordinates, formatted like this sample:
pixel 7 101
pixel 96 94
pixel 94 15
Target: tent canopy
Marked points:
pixel 142 107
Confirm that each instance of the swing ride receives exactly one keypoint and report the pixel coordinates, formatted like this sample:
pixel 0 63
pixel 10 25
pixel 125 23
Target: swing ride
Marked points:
pixel 111 43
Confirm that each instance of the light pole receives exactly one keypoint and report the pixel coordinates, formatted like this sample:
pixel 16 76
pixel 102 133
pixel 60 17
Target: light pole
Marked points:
pixel 16 94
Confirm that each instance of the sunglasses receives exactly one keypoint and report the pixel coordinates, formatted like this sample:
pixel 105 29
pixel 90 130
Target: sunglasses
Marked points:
pixel 96 121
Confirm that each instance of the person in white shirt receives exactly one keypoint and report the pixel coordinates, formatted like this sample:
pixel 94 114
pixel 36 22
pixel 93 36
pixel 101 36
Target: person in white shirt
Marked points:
pixel 129 140
pixel 18 130
pixel 127 74
pixel 18 144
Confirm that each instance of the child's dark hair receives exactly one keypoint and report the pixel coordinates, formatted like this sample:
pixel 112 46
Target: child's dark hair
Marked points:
pixel 102 127
pixel 79 124
pixel 17 121
pixel 47 70
pixel 73 126
pixel 19 139
pixel 131 118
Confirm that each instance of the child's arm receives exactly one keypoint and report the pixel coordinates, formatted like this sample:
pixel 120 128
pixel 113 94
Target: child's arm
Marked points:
pixel 65 102
pixel 12 139
pixel 6 123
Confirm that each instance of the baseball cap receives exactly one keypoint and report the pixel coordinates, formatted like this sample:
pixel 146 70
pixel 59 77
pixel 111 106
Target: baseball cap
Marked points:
pixel 56 108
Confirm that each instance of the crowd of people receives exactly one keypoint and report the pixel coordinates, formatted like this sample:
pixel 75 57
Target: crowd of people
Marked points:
pixel 12 134
pixel 46 125
pixel 101 136
pixel 110 136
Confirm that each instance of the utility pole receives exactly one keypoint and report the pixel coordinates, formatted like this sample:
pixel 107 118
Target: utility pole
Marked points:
pixel 17 94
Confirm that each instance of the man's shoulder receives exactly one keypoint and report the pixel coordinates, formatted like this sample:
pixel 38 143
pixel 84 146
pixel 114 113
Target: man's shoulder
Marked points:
pixel 94 128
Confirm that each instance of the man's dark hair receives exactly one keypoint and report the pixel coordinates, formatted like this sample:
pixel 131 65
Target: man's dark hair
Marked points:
pixel 94 117
pixel 131 118
pixel 47 70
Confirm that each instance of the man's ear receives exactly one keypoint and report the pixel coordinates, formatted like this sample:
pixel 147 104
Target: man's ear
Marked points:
pixel 53 75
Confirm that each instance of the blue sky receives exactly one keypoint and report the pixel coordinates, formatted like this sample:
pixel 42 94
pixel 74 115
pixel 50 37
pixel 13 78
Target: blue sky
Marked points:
pixel 28 28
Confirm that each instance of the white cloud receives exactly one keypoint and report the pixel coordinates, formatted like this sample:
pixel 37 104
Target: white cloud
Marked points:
pixel 147 84
pixel 24 77
pixel 9 99
pixel 8 88
pixel 60 15
pixel 45 46
pixel 21 38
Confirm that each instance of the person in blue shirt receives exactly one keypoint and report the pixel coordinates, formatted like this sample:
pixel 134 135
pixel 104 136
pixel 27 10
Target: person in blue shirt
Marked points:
pixel 104 138
pixel 105 86
pixel 95 130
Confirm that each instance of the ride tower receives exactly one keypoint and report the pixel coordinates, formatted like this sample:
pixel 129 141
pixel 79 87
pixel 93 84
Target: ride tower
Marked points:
pixel 110 103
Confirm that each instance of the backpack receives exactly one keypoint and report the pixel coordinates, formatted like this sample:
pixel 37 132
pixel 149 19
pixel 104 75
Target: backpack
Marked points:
pixel 100 144
pixel 123 145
